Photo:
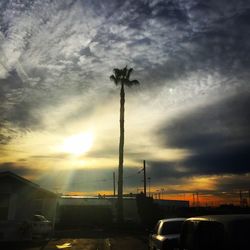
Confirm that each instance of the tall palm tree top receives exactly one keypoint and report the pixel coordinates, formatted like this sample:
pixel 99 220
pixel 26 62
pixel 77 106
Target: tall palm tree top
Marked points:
pixel 121 76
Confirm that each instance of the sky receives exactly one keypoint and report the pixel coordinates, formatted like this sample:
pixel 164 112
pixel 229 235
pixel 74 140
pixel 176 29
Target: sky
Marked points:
pixel 188 118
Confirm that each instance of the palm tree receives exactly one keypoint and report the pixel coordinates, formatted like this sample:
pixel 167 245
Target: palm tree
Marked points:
pixel 121 76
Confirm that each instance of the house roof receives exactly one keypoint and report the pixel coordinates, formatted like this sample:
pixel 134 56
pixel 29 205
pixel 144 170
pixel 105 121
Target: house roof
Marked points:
pixel 17 177
pixel 26 182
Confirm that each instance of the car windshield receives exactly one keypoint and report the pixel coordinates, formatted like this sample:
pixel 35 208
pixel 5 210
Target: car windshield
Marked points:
pixel 173 227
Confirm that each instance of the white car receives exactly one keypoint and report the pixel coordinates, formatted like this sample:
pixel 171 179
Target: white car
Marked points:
pixel 40 227
pixel 166 234
pixel 36 228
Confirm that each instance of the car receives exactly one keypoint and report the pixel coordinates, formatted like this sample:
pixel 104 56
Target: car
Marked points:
pixel 35 230
pixel 166 234
pixel 37 227
pixel 40 227
pixel 216 232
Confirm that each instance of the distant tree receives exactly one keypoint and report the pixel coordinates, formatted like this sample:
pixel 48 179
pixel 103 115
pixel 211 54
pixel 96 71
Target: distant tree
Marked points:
pixel 121 77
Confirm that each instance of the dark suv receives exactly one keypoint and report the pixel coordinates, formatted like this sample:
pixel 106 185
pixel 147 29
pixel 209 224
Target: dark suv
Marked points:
pixel 216 232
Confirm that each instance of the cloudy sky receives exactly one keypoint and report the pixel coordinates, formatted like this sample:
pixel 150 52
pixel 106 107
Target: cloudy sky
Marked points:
pixel 188 118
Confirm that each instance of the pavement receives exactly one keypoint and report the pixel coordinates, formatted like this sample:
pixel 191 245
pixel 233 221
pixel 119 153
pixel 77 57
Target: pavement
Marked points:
pixel 94 240
pixel 113 243
pixel 77 244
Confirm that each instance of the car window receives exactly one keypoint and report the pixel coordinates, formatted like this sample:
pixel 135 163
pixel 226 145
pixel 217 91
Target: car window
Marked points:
pixel 171 227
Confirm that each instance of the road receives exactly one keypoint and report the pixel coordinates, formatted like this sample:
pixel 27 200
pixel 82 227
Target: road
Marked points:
pixel 77 244
pixel 112 243
pixel 97 239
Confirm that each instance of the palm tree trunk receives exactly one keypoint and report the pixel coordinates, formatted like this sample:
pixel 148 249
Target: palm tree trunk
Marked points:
pixel 121 149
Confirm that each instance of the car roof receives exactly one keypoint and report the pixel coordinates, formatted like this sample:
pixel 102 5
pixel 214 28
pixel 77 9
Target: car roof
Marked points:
pixel 172 219
pixel 39 215
pixel 225 218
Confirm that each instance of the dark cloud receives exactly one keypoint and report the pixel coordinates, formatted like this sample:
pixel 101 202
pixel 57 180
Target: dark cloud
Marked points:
pixel 6 133
pixel 217 135
pixel 51 156
pixel 212 44
pixel 21 115
pixel 221 160
pixel 167 173
pixel 4 139
pixel 19 169
pixel 234 182
pixel 12 81
pixel 215 122
pixel 170 175
pixel 15 108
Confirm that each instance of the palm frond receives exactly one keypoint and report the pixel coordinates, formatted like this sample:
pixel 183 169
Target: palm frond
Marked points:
pixel 129 73
pixel 113 79
pixel 131 83
pixel 117 72
pixel 124 72
pixel 134 82
pixel 121 76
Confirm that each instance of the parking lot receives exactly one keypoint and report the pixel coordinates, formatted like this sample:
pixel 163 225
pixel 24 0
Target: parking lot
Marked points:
pixel 91 240
pixel 121 243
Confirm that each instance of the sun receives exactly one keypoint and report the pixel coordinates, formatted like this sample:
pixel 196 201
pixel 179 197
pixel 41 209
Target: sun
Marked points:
pixel 78 144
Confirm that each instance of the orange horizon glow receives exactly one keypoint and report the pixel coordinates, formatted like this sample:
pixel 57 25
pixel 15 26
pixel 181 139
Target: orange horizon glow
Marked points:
pixel 208 200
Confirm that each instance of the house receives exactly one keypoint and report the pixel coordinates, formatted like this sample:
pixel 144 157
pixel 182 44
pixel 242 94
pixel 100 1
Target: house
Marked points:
pixel 20 199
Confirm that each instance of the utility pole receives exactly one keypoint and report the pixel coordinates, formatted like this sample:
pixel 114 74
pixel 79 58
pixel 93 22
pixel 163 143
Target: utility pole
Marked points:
pixel 114 182
pixel 241 199
pixel 157 194
pixel 149 180
pixel 249 197
pixel 144 178
pixel 197 199
pixel 162 193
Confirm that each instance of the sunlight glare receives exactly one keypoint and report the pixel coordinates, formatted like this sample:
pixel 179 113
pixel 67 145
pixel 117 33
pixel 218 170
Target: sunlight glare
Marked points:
pixel 78 144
